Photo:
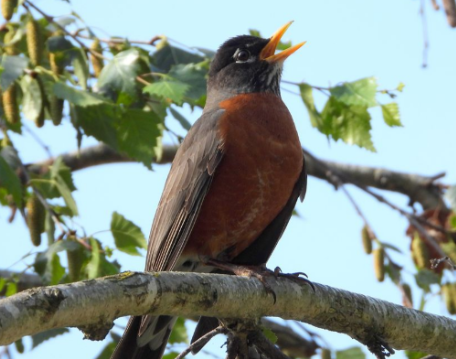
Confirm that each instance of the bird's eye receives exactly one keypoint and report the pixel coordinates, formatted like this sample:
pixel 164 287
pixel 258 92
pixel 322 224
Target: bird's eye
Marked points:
pixel 241 55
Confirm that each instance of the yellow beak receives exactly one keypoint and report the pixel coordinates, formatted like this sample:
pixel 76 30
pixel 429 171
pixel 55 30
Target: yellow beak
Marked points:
pixel 268 51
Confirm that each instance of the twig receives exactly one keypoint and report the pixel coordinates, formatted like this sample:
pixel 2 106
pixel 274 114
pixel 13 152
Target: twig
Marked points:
pixel 151 42
pixel 450 10
pixel 435 262
pixel 435 5
pixel 38 140
pixel 413 219
pixel 204 339
pixel 74 37
pixel 425 33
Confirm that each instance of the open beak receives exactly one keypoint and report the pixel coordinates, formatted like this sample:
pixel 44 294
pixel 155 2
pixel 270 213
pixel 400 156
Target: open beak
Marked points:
pixel 268 51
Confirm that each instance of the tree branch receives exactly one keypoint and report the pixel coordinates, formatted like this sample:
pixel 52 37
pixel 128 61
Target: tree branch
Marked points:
pixel 290 342
pixel 93 305
pixel 421 189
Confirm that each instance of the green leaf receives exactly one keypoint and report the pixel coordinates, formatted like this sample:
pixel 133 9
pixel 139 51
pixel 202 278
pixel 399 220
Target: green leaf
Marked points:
pixel 77 97
pixel 350 353
pixel 193 75
pixel 99 121
pixel 179 332
pixel 400 87
pixel 93 266
pixel 394 272
pixel 424 278
pixel 415 355
pixel 390 246
pixel 11 289
pixel 167 55
pixel 137 134
pixel 32 101
pixel 47 263
pixel 170 355
pixel 59 44
pixel 98 265
pixel 450 195
pixel 307 98
pixel 182 120
pixel 119 75
pixel 351 124
pixel 127 235
pixel 81 69
pixel 56 270
pixel 358 93
pixel 39 338
pixel 57 182
pixel 391 114
pixel 107 351
pixel 268 333
pixel 65 191
pixel 10 181
pixel 13 67
pixel 169 90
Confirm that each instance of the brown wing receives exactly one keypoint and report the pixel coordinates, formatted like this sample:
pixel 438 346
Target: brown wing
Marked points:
pixel 186 186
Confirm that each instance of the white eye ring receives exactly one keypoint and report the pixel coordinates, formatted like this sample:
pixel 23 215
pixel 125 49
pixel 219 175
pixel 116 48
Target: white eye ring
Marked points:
pixel 242 56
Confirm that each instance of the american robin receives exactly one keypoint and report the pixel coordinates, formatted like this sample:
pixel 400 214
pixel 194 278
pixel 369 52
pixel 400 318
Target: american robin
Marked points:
pixel 233 184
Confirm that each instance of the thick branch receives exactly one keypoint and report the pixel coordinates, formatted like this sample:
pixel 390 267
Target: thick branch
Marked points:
pixel 418 188
pixel 95 304
pixel 289 341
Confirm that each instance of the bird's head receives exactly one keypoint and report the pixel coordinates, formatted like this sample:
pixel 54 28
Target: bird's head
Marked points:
pixel 246 64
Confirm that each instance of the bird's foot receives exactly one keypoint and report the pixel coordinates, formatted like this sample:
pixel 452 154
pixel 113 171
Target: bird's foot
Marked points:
pixel 261 272
pixel 298 277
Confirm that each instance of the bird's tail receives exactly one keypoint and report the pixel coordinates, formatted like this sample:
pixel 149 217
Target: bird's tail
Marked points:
pixel 144 338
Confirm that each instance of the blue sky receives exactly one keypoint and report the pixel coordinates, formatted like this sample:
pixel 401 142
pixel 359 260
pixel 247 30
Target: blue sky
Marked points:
pixel 347 40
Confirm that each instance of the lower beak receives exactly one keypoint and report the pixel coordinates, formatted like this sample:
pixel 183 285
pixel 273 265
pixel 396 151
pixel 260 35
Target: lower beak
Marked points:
pixel 268 51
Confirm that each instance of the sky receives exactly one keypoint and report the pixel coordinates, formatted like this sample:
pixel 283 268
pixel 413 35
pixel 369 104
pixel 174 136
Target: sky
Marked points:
pixel 346 40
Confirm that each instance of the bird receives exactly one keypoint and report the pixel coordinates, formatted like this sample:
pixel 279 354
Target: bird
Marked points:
pixel 233 183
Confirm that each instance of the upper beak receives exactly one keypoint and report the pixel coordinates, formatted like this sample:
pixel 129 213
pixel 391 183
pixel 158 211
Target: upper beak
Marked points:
pixel 268 51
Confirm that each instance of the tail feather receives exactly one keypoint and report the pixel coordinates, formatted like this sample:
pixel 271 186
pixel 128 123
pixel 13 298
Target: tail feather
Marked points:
pixel 204 326
pixel 152 342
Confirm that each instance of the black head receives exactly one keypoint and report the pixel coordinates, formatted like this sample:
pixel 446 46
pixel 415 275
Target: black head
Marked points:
pixel 246 64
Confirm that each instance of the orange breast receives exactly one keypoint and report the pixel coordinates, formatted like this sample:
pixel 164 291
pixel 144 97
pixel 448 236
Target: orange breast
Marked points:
pixel 262 162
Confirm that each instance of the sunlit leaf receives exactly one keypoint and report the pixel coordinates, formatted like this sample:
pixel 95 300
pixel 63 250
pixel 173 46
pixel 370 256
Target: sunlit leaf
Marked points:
pixel 127 235
pixel 13 68
pixel 391 115
pixel 119 75
pixel 351 124
pixel 32 101
pixel 168 89
pixel 307 98
pixel 358 93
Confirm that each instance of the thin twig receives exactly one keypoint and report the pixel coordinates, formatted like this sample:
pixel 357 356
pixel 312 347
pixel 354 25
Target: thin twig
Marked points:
pixel 425 33
pixel 151 42
pixel 204 339
pixel 74 37
pixel 38 140
pixel 413 219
